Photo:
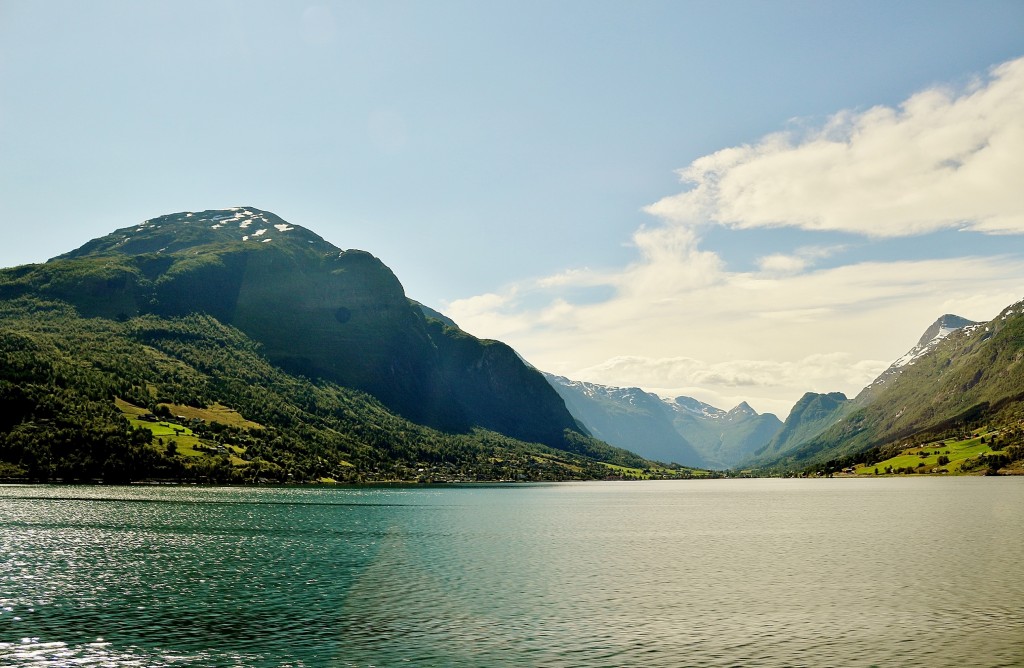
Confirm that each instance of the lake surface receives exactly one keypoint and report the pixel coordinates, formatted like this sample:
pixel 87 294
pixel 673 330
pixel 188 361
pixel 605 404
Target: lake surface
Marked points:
pixel 888 572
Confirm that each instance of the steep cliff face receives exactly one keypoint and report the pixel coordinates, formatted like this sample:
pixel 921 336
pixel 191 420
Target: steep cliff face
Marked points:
pixel 492 387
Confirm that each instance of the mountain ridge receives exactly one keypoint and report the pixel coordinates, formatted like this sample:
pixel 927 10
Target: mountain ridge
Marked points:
pixel 629 418
pixel 815 413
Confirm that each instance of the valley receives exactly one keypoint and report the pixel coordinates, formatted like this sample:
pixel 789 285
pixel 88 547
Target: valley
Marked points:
pixel 232 346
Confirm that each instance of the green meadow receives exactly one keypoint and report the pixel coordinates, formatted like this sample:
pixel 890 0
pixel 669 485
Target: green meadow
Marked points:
pixel 187 443
pixel 945 456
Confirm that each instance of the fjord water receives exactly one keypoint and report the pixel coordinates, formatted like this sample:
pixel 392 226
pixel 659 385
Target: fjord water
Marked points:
pixel 907 572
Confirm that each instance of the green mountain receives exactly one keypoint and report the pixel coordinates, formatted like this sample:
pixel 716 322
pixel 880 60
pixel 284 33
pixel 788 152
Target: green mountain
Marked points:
pixel 317 311
pixel 239 308
pixel 936 332
pixel 812 414
pixel 967 377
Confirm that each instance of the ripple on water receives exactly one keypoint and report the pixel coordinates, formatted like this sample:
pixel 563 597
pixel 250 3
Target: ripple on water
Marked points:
pixel 696 574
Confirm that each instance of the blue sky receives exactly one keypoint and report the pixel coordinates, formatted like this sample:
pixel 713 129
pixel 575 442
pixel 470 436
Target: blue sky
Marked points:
pixel 518 164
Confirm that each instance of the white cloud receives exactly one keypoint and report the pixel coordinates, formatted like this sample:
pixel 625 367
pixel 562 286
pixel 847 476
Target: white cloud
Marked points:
pixel 779 263
pixel 803 258
pixel 943 159
pixel 679 321
pixel 686 371
pixel 767 339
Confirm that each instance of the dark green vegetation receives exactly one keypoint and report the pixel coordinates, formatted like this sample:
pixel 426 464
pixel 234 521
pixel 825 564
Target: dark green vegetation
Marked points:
pixel 340 375
pixel 971 380
pixel 61 377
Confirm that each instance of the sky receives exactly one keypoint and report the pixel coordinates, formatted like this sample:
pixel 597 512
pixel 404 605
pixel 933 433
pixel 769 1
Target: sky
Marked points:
pixel 734 201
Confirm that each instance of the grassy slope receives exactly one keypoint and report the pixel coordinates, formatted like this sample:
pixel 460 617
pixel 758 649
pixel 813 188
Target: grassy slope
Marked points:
pixel 186 442
pixel 966 456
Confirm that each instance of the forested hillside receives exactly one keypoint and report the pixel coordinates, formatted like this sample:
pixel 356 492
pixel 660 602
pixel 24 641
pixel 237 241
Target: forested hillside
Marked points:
pixel 60 375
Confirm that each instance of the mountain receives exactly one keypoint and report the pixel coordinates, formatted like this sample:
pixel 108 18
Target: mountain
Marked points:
pixel 815 413
pixel 811 415
pixel 189 286
pixel 318 311
pixel 628 418
pixel 936 332
pixel 724 438
pixel 955 379
pixel 681 430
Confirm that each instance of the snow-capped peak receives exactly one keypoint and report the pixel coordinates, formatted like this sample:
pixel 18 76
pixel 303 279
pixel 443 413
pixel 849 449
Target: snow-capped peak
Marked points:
pixel 939 330
pixel 691 405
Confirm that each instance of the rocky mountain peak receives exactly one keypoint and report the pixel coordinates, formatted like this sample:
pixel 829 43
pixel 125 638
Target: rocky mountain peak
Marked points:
pixel 935 334
pixel 175 232
pixel 694 406
pixel 943 327
pixel 742 410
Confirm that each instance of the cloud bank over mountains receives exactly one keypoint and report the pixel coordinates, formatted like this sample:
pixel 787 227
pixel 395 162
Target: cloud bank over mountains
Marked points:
pixel 680 320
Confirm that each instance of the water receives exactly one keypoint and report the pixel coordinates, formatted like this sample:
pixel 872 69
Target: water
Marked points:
pixel 889 572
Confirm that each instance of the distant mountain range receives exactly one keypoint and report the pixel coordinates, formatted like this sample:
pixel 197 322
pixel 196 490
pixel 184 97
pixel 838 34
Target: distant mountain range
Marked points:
pixel 682 430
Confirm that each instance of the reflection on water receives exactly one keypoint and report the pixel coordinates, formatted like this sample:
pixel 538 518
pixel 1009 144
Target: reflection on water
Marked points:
pixel 691 573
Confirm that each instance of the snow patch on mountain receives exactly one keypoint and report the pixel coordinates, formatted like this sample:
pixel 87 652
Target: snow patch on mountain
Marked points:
pixel 741 412
pixel 691 405
pixel 932 337
pixel 919 351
